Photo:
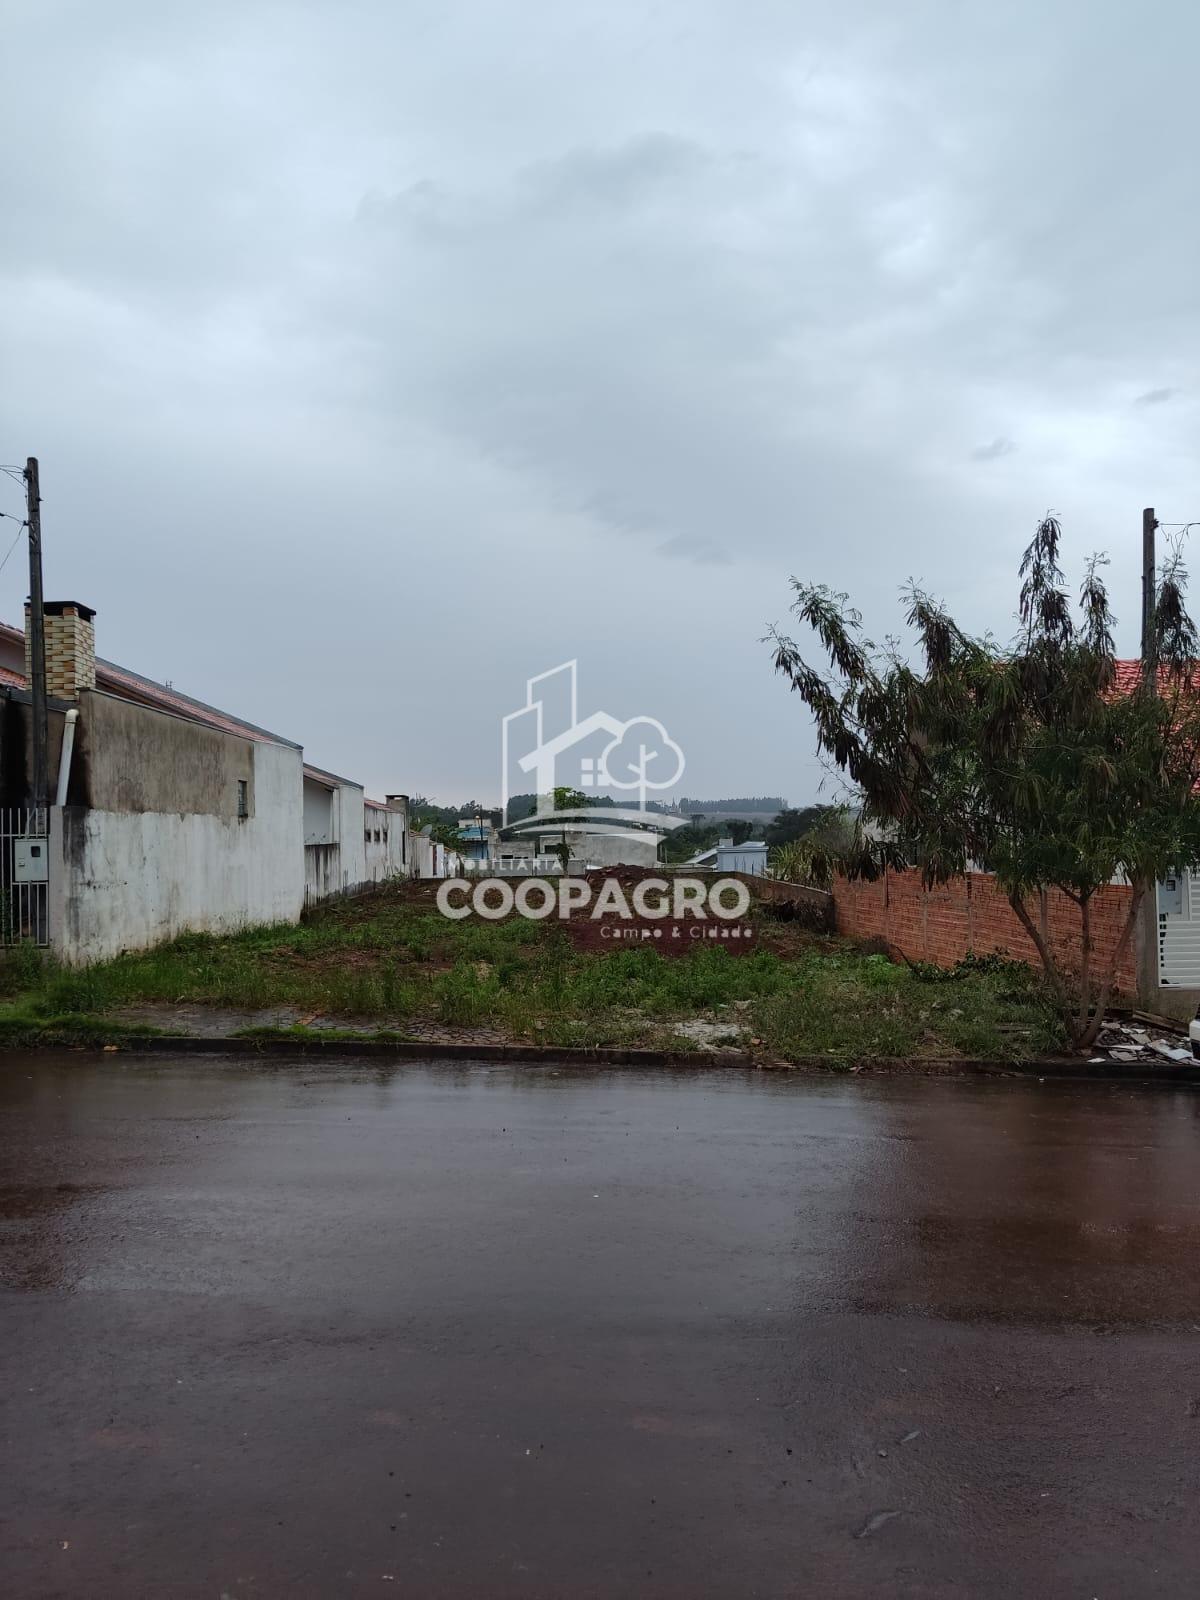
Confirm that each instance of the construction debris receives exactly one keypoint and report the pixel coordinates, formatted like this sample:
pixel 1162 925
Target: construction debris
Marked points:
pixel 1125 1041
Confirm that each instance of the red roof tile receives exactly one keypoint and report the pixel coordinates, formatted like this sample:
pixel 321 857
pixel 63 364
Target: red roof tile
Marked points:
pixel 1129 675
pixel 330 779
pixel 128 685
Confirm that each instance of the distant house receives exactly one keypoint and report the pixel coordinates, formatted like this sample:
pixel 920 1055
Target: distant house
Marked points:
pixel 478 841
pixel 563 750
pixel 385 838
pixel 725 856
pixel 335 852
pixel 595 837
pixel 517 858
pixel 166 814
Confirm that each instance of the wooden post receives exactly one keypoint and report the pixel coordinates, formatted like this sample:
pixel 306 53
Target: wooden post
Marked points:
pixel 1149 646
pixel 1146 933
pixel 37 641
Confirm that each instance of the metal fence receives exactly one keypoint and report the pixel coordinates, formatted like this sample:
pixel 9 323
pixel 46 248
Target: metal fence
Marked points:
pixel 24 876
pixel 1179 931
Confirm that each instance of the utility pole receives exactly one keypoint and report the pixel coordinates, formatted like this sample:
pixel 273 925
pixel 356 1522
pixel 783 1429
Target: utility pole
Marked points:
pixel 1147 934
pixel 1149 644
pixel 37 642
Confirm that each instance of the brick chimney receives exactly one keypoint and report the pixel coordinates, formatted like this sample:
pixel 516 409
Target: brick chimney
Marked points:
pixel 70 648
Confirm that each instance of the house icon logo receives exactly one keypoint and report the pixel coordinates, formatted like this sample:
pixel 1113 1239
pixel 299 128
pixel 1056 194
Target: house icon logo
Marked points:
pixel 546 745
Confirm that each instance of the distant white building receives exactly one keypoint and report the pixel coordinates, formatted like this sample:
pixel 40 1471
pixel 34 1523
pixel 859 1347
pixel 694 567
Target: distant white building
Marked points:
pixel 607 837
pixel 725 856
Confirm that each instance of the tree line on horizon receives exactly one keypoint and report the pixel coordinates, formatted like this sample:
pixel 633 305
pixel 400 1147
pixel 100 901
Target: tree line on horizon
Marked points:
pixel 770 804
pixel 521 806
pixel 789 827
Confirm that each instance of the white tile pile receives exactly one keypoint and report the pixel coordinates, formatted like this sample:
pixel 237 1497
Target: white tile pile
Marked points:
pixel 1135 1041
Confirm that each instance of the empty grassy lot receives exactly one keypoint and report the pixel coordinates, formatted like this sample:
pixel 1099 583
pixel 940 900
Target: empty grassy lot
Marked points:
pixel 390 962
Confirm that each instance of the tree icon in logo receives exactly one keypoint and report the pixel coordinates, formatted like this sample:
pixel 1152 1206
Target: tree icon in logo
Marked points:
pixel 642 757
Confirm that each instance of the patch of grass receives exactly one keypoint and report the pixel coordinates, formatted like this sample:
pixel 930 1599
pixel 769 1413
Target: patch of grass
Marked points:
pixel 389 958
pixel 852 1006
pixel 22 968
pixel 26 1024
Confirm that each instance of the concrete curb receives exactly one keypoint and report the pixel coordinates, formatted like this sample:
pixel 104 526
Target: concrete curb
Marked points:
pixel 1060 1067
pixel 419 1050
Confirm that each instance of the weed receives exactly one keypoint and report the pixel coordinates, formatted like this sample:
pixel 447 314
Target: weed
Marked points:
pixel 388 959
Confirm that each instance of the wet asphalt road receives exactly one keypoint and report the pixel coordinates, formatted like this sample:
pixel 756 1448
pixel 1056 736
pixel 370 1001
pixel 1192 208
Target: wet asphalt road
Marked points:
pixel 395 1330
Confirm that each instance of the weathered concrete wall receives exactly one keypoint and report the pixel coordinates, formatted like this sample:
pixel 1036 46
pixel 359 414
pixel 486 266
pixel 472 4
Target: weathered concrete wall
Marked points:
pixel 614 849
pixel 420 856
pixel 385 841
pixel 319 823
pixel 322 872
pixel 376 851
pixel 429 860
pixel 124 880
pixel 335 857
pixel 813 908
pixel 349 806
pixel 16 752
pixel 134 759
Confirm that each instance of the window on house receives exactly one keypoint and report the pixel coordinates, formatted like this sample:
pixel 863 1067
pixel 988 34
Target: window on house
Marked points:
pixel 243 798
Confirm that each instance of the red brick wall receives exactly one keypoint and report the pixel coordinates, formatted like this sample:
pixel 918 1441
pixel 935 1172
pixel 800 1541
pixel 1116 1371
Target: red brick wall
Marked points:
pixel 973 914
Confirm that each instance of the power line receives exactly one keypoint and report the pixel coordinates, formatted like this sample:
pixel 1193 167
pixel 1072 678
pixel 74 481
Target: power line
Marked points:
pixel 15 542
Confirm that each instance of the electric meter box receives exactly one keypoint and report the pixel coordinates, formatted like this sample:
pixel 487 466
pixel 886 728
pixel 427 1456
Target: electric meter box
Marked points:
pixel 30 857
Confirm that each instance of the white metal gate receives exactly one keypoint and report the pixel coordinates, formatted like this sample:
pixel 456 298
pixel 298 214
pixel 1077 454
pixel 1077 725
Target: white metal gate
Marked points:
pixel 1179 932
pixel 24 876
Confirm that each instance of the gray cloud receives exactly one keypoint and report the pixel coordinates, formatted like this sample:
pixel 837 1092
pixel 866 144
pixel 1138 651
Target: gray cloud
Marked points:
pixel 649 167
pixel 993 452
pixel 685 547
pixel 427 348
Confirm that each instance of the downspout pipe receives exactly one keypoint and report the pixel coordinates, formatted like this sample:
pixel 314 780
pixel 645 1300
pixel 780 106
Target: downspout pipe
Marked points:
pixel 64 759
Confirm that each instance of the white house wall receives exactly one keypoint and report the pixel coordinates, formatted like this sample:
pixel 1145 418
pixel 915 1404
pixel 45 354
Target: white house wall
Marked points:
pixel 335 859
pixel 387 856
pixel 128 880
pixel 350 808
pixel 615 849
pixel 319 825
pixel 429 860
pixel 734 859
pixel 421 855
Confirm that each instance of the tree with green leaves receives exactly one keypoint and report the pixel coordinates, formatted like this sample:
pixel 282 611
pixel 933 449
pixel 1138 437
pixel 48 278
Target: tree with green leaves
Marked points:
pixel 792 823
pixel 567 799
pixel 440 831
pixel 812 859
pixel 1035 762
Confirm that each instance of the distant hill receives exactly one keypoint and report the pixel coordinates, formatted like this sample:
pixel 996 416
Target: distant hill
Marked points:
pixel 521 806
pixel 751 808
pixel 752 802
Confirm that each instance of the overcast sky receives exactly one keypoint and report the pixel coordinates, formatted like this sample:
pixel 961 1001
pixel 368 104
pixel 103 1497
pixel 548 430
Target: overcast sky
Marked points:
pixel 379 356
